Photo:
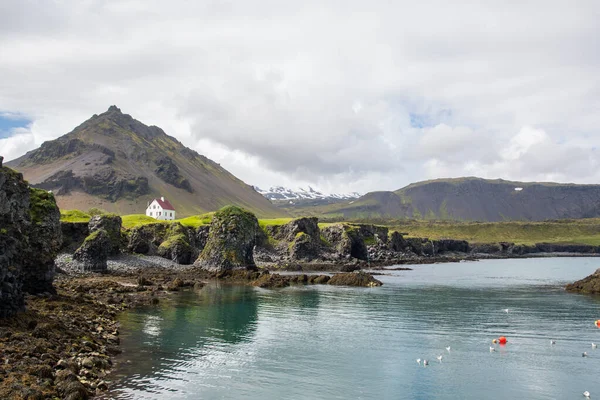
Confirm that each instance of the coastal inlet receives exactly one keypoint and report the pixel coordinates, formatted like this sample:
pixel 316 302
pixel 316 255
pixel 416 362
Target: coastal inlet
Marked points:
pixel 307 342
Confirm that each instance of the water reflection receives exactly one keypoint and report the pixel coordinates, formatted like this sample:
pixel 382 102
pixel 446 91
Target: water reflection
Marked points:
pixel 331 342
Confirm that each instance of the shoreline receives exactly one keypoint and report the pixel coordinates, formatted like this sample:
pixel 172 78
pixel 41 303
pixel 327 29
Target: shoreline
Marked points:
pixel 65 343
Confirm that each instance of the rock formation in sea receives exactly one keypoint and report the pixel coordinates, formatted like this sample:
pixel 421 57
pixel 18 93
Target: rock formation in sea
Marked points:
pixel 590 284
pixel 232 236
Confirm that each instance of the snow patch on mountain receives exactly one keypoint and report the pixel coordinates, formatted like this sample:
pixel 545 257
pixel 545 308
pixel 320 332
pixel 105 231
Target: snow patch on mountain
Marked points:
pixel 283 193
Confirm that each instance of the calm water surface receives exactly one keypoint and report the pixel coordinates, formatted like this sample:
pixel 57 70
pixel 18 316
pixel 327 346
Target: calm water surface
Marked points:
pixel 321 342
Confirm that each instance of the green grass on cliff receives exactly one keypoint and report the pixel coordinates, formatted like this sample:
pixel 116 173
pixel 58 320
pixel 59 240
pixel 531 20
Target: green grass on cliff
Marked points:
pixel 579 231
pixel 197 220
pixel 133 220
pixel 74 216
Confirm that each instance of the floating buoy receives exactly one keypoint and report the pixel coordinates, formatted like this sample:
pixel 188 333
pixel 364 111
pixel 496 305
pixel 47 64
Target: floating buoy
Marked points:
pixel 597 323
pixel 502 340
pixel 495 341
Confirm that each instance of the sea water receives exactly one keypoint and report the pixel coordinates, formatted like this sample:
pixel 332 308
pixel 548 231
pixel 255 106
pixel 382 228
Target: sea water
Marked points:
pixel 326 342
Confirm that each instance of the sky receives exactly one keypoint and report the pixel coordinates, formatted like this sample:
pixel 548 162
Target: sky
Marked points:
pixel 342 95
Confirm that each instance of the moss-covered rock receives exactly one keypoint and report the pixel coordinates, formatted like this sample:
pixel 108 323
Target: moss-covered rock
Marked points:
pixel 231 240
pixel 15 222
pixel 93 253
pixel 176 246
pixel 590 284
pixel 45 240
pixel 145 239
pixel 111 224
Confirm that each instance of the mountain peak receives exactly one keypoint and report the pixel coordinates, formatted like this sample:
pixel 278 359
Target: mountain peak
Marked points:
pixel 116 162
pixel 114 108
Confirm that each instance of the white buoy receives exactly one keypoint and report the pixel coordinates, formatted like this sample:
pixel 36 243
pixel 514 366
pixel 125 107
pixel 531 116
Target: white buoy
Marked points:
pixel 553 342
pixel 584 354
pixel 594 346
pixel 586 394
pixel 440 358
pixel 492 349
pixel 505 310
pixel 425 363
pixel 419 361
pixel 448 348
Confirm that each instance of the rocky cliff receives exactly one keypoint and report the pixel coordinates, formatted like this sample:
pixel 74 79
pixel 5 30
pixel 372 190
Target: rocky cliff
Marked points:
pixel 30 237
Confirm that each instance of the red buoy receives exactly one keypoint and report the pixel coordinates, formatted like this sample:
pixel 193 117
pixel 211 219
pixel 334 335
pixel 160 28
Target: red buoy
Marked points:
pixel 597 323
pixel 502 340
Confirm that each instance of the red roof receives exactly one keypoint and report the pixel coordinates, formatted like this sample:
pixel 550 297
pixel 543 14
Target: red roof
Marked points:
pixel 164 204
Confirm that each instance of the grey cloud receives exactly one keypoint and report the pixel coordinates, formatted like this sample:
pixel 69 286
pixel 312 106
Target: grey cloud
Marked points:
pixel 320 91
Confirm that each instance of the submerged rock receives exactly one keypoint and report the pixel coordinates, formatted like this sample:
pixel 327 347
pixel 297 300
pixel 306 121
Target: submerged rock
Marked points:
pixel 590 284
pixel 231 240
pixel 354 279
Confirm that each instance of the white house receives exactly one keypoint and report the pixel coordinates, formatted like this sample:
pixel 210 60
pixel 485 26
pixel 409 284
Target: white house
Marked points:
pixel 161 209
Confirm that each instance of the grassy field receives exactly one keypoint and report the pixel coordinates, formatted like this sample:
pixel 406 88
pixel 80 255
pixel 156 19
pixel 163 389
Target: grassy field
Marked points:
pixel 580 231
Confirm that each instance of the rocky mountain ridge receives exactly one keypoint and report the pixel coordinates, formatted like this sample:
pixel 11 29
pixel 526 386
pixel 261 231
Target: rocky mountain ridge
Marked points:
pixel 475 199
pixel 115 162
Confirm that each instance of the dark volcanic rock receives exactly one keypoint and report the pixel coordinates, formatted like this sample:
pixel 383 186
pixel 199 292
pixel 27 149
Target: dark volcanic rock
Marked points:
pixel 304 237
pixel 105 182
pixel 590 284
pixel 336 236
pixel 111 224
pixel 397 242
pixel 14 223
pixel 354 279
pixel 73 233
pixel 30 237
pixel 145 239
pixel 176 246
pixel 93 253
pixel 168 171
pixel 231 240
pixel 450 245
pixel 201 237
pixel 45 240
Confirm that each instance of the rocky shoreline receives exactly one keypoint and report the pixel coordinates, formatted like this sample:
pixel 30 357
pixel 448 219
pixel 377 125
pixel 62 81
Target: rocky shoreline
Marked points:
pixel 63 345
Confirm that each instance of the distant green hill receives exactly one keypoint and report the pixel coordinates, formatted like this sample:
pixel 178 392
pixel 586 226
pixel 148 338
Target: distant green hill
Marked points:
pixel 118 164
pixel 470 199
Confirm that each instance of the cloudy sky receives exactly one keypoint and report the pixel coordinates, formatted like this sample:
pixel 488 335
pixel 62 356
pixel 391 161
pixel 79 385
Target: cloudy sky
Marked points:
pixel 344 95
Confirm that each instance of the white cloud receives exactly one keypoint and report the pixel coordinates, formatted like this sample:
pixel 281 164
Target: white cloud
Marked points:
pixel 321 92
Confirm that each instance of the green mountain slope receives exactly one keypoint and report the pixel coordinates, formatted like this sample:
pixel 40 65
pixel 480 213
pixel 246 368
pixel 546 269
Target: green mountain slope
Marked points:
pixel 475 199
pixel 117 163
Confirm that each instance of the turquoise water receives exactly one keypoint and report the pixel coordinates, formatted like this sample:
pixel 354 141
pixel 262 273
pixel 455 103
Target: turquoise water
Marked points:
pixel 321 342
